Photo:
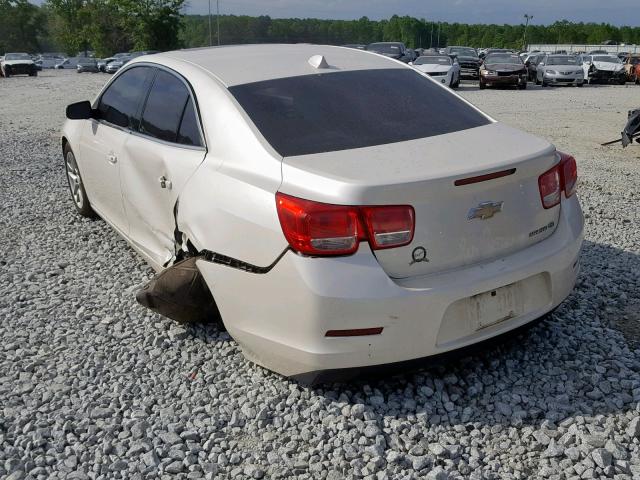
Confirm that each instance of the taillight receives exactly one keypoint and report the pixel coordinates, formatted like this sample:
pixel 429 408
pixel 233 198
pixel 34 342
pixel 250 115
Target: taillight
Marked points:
pixel 568 174
pixel 550 190
pixel 314 228
pixel 562 177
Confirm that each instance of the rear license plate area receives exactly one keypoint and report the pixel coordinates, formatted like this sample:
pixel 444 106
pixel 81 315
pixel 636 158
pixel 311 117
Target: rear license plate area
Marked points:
pixel 497 305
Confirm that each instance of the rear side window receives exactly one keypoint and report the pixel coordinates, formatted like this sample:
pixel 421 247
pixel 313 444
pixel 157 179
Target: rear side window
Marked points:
pixel 165 105
pixel 344 110
pixel 189 133
pixel 119 103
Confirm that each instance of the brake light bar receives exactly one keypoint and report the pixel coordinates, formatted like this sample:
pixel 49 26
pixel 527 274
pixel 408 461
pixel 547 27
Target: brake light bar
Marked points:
pixel 484 178
pixel 563 177
pixel 314 228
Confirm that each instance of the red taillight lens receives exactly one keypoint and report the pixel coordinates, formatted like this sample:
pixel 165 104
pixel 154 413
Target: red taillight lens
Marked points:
pixel 568 174
pixel 389 227
pixel 549 184
pixel 562 177
pixel 314 228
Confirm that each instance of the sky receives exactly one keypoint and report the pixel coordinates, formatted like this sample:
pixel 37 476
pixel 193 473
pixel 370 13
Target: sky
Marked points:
pixel 617 12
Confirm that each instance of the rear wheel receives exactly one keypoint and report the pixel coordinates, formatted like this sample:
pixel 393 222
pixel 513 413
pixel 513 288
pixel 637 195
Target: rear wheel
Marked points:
pixel 537 81
pixel 482 85
pixel 580 84
pixel 33 74
pixel 78 193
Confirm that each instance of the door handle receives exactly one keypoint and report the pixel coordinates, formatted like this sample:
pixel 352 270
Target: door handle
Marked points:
pixel 112 158
pixel 164 182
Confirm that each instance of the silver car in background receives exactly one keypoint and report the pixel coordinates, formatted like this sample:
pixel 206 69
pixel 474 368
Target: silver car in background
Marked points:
pixel 87 65
pixel 560 70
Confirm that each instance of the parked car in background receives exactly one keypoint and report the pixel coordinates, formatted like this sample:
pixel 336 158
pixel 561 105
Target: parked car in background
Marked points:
pixel 102 63
pixel 395 50
pixel 489 51
pixel 560 70
pixel 630 61
pixel 468 59
pixel 67 63
pixel 635 74
pixel 411 54
pixel 114 65
pixel 87 65
pixel 357 46
pixel 49 61
pixel 531 63
pixel 352 251
pixel 18 64
pixel 442 68
pixel 603 69
pixel 623 55
pixel 598 52
pixel 503 70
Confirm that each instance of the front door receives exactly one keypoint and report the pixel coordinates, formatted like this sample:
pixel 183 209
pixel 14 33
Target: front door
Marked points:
pixel 158 161
pixel 103 140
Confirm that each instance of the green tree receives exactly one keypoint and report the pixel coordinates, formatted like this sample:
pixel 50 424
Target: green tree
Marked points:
pixel 21 25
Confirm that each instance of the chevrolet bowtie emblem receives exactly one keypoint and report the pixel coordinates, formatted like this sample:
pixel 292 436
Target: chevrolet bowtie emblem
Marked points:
pixel 485 210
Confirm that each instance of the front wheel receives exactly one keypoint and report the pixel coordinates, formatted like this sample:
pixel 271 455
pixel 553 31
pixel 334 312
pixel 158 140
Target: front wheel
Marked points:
pixel 580 85
pixel 482 86
pixel 78 193
pixel 33 74
pixel 537 81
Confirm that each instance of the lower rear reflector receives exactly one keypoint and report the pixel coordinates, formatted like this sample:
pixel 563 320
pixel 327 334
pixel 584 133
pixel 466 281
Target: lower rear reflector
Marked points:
pixel 357 332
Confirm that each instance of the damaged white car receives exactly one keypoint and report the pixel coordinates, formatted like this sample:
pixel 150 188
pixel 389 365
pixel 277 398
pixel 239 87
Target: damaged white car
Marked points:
pixel 332 204
pixel 603 69
pixel 18 64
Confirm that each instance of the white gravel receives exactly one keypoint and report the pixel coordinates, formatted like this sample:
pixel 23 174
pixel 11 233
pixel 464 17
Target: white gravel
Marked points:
pixel 94 386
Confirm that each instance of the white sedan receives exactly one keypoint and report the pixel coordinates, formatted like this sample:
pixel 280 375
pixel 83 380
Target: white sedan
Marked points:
pixel 443 68
pixel 340 208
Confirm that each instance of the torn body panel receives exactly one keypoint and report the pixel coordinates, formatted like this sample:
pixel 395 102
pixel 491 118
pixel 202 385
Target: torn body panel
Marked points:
pixel 180 293
pixel 153 174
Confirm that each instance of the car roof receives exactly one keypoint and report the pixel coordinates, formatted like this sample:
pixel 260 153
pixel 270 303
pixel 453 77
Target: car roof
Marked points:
pixel 241 64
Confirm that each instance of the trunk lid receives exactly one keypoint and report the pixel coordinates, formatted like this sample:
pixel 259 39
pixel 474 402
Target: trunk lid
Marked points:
pixel 422 173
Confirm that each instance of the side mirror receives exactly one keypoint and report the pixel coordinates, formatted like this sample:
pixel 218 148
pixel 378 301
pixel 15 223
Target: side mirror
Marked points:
pixel 79 111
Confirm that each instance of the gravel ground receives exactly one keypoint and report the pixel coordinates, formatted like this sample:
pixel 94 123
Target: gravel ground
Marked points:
pixel 94 386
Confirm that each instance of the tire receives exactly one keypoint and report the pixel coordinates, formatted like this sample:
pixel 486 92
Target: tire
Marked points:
pixel 7 74
pixel 636 80
pixel 537 81
pixel 76 186
pixel 482 86
pixel 580 85
pixel 623 82
pixel 33 74
pixel 544 84
pixel 522 87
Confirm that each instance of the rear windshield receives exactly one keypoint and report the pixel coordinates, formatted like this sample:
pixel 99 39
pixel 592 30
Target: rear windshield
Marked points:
pixel 343 110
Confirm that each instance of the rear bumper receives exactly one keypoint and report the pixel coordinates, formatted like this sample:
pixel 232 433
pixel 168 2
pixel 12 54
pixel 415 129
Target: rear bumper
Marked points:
pixel 280 318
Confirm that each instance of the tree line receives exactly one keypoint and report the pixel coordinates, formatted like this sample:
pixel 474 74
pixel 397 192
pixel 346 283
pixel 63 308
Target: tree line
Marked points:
pixel 110 26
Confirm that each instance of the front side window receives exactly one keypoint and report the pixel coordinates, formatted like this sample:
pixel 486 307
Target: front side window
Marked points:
pixel 169 113
pixel 119 103
pixel 344 110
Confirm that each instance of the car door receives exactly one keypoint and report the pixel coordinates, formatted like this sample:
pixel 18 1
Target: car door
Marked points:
pixel 102 142
pixel 160 158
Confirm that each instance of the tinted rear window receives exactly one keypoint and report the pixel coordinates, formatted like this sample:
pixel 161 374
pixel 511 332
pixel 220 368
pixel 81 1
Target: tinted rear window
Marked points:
pixel 344 110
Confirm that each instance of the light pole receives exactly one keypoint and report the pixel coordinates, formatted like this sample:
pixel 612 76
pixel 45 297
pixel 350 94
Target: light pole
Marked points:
pixel 524 36
pixel 218 19
pixel 210 38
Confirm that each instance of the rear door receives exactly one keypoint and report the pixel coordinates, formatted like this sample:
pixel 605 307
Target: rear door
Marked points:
pixel 160 158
